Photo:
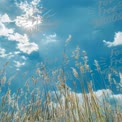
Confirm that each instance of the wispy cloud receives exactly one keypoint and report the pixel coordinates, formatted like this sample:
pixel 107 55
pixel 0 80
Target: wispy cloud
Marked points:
pixel 3 54
pixel 23 57
pixel 47 39
pixel 117 40
pixel 19 64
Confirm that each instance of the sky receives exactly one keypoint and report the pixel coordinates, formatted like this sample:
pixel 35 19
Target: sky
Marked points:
pixel 34 31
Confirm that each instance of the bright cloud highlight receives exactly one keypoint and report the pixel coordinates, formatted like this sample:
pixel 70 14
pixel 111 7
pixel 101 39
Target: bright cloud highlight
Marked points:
pixel 3 52
pixel 30 18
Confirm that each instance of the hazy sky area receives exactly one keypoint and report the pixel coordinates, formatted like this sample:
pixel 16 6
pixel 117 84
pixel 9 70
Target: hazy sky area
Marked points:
pixel 35 31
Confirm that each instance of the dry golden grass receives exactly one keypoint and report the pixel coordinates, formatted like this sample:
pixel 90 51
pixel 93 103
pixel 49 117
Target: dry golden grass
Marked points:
pixel 59 104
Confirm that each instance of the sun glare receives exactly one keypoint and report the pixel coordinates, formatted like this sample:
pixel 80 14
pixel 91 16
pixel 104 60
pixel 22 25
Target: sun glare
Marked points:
pixel 31 17
pixel 31 24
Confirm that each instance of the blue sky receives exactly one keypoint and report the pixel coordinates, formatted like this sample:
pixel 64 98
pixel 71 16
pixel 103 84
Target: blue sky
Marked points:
pixel 35 30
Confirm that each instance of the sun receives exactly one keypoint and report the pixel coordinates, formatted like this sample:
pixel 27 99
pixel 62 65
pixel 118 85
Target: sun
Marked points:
pixel 31 16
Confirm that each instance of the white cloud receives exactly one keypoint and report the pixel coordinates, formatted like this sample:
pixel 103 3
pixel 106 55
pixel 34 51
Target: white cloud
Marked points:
pixel 19 38
pixel 31 15
pixel 52 38
pixel 117 40
pixel 17 52
pixel 5 31
pixel 23 57
pixel 2 52
pixel 100 94
pixel 23 42
pixel 104 94
pixel 24 45
pixel 29 8
pixel 19 64
pixel 35 2
pixel 5 18
pixel 10 55
pixel 27 47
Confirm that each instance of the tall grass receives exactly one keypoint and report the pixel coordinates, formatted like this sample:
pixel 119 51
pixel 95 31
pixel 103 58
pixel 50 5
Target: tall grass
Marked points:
pixel 60 103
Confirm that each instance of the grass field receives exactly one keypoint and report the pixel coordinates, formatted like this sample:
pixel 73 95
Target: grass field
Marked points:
pixel 61 103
